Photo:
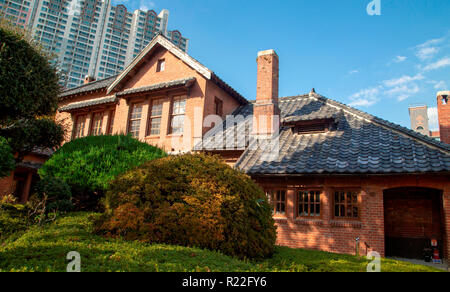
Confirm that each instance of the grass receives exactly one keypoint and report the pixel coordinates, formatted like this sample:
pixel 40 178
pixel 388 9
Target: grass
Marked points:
pixel 45 249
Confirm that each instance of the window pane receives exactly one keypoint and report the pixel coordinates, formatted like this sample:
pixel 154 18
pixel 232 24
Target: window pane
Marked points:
pixel 177 124
pixel 179 107
pixel 135 120
pixel 157 108
pixel 300 209
pixel 79 127
pixel 136 113
pixel 97 124
pixel 155 126
pixel 355 212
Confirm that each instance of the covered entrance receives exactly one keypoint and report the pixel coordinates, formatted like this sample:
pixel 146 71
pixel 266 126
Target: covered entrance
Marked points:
pixel 413 217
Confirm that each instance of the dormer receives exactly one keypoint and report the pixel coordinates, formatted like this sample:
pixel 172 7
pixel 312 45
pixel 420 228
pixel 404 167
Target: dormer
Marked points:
pixel 311 126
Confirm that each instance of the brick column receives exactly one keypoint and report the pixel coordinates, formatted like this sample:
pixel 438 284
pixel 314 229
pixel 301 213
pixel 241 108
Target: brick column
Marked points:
pixel 326 205
pixel 373 217
pixel 121 117
pixel 290 203
pixel 144 120
pixel 26 189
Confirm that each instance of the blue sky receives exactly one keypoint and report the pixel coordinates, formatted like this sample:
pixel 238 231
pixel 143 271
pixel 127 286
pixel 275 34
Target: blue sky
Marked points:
pixel 380 64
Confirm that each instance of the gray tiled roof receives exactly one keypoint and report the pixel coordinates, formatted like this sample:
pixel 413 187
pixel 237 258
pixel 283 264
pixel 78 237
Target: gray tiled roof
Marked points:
pixel 162 85
pixel 361 143
pixel 88 103
pixel 96 85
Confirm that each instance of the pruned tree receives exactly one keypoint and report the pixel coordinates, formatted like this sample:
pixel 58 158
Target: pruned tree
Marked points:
pixel 28 94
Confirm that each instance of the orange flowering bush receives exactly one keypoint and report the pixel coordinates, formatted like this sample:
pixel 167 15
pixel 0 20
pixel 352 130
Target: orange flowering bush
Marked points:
pixel 190 200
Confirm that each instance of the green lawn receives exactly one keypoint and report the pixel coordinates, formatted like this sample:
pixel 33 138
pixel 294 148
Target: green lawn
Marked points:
pixel 45 249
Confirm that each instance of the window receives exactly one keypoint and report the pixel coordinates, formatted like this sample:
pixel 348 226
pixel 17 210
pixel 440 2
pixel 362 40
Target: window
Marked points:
pixel 97 124
pixel 218 107
pixel 135 120
pixel 313 128
pixel 161 65
pixel 111 122
pixel 155 117
pixel 346 204
pixel 278 200
pixel 79 127
pixel 178 111
pixel 308 203
pixel 420 128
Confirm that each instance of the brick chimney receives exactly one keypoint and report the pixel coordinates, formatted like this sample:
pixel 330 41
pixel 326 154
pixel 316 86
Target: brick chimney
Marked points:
pixel 266 120
pixel 443 100
pixel 89 79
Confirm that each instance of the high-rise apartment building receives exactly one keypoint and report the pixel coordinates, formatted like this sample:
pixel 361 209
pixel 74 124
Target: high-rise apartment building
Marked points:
pixel 90 37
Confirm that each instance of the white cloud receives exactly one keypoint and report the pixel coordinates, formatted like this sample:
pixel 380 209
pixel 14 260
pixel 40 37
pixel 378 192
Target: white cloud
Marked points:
pixel 433 119
pixel 146 5
pixel 353 72
pixel 403 92
pixel 428 49
pixel 427 53
pixel 441 85
pixel 403 80
pixel 442 63
pixel 400 59
pixel 365 97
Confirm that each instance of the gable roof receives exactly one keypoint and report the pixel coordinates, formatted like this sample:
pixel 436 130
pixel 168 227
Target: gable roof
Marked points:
pixel 361 143
pixel 111 83
pixel 162 41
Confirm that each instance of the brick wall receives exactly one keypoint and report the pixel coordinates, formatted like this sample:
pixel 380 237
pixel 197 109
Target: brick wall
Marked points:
pixel 336 235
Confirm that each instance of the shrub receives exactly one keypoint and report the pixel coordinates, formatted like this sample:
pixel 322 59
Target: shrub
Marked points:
pixel 7 162
pixel 191 200
pixel 89 164
pixel 14 218
pixel 55 195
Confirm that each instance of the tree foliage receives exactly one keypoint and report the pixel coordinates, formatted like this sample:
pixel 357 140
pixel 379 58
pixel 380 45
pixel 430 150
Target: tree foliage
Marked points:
pixel 28 93
pixel 89 164
pixel 28 82
pixel 6 158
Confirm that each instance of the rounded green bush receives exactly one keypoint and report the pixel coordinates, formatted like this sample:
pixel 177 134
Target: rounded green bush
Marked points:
pixel 89 164
pixel 56 194
pixel 191 200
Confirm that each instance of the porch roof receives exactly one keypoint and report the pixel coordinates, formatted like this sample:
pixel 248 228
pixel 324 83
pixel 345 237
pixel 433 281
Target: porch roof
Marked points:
pixel 87 103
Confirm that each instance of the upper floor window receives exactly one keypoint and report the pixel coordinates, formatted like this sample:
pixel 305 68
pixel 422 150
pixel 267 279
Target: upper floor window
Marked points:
pixel 134 126
pixel 308 203
pixel 218 107
pixel 155 117
pixel 178 112
pixel 278 200
pixel 80 123
pixel 161 66
pixel 346 204
pixel 97 124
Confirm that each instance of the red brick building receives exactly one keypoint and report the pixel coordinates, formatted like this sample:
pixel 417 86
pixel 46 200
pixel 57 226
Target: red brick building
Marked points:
pixel 22 180
pixel 333 173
